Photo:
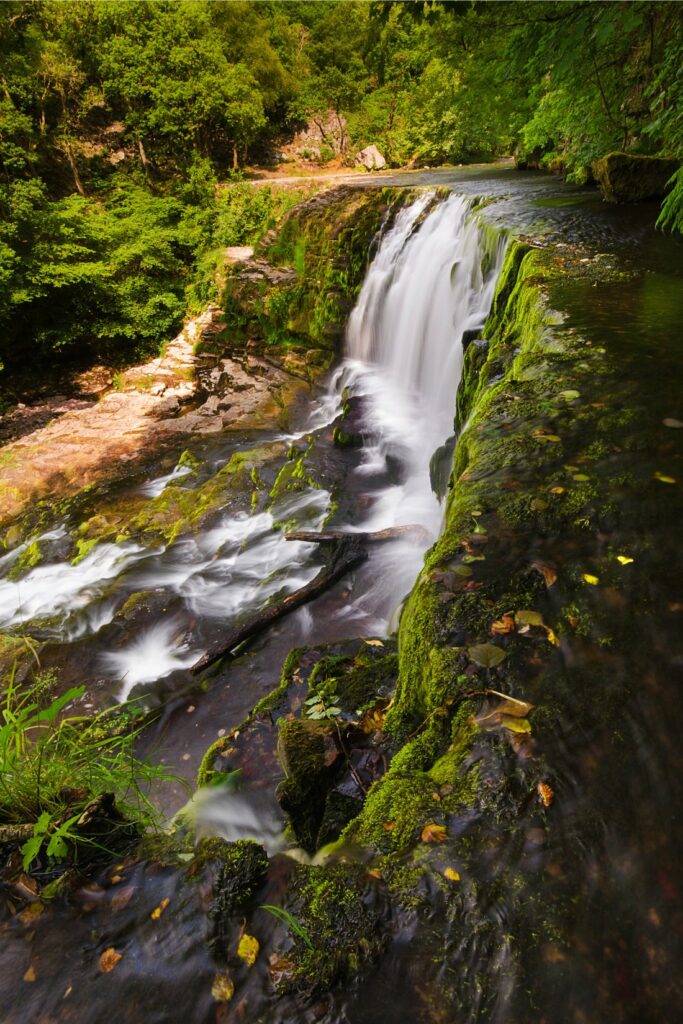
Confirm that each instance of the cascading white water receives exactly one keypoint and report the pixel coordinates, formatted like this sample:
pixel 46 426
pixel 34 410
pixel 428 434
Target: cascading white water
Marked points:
pixel 432 279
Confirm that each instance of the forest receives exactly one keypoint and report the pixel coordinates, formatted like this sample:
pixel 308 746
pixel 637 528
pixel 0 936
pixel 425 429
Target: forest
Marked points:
pixel 118 120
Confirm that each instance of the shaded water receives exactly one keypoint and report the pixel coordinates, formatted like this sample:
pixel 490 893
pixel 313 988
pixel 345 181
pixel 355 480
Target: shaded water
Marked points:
pixel 616 841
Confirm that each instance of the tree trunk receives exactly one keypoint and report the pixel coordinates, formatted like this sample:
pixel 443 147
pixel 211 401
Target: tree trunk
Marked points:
pixel 74 169
pixel 235 157
pixel 144 159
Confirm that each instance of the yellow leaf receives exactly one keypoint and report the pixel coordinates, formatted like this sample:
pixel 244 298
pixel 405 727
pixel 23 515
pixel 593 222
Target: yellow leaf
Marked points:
pixel 375 873
pixel 452 875
pixel 624 559
pixel 529 618
pixel 515 724
pixel 389 826
pixel 247 949
pixel 587 578
pixel 665 479
pixel 552 637
pixel 223 988
pixel 374 643
pixel 109 960
pixel 158 911
pixel 504 625
pixel 433 833
pixel 557 490
pixel 30 974
pixel 546 794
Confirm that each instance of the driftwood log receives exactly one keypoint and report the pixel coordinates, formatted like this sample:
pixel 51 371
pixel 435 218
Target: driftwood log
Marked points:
pixel 347 554
pixel 416 533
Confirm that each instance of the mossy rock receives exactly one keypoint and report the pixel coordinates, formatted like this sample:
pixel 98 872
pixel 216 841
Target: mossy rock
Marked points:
pixel 631 178
pixel 341 909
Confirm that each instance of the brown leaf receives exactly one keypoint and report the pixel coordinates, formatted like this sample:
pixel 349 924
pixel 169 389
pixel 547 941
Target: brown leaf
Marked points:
pixel 32 911
pixel 30 974
pixel 545 793
pixel 433 833
pixel 280 968
pixel 547 571
pixel 122 898
pixel 389 826
pixel 109 960
pixel 505 624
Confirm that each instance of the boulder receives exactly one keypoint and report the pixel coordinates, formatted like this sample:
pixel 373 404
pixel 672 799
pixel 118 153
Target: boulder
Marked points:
pixel 371 159
pixel 626 178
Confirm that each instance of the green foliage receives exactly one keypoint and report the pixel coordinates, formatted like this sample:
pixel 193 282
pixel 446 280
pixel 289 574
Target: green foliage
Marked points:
pixel 52 766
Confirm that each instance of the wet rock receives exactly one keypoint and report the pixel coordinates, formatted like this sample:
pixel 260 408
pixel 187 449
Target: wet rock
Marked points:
pixel 628 178
pixel 348 431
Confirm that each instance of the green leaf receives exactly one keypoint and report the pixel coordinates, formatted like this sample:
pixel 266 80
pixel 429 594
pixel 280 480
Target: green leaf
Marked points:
pixel 30 850
pixel 486 655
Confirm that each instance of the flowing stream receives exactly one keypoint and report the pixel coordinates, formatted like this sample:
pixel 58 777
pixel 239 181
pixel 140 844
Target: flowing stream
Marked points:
pixel 432 279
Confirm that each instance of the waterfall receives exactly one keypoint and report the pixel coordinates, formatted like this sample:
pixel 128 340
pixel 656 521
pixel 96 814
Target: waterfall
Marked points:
pixel 433 278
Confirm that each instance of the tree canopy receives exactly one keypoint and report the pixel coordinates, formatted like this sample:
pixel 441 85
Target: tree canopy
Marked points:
pixel 117 118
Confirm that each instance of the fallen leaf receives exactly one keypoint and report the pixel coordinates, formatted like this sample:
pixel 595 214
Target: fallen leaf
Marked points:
pixel 521 707
pixel 515 724
pixel 463 570
pixel 537 505
pixel 671 422
pixel 433 833
pixel 528 617
pixel 158 911
pixel 32 911
pixel 122 898
pixel 109 960
pixel 452 875
pixel 552 637
pixel 624 559
pixel 115 879
pixel 569 396
pixel 557 490
pixel 222 988
pixel 545 793
pixel 547 571
pixel 587 578
pixel 247 949
pixel 30 974
pixel 375 873
pixel 506 624
pixel 665 479
pixel 389 826
pixel 486 655
pixel 280 968
pixel 581 477
pixel 374 643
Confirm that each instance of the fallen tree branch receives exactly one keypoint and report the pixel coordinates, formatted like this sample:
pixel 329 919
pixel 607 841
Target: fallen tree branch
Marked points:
pixel 414 532
pixel 348 554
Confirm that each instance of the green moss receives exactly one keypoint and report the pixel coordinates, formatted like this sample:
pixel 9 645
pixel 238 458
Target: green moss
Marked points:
pixel 337 905
pixel 31 556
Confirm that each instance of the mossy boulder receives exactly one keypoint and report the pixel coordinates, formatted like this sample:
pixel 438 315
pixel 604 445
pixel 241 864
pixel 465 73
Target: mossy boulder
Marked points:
pixel 630 178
